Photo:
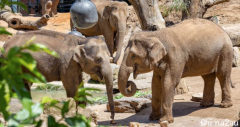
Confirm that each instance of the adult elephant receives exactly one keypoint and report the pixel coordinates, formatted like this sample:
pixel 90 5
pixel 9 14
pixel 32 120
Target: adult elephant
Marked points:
pixel 190 48
pixel 77 55
pixel 112 18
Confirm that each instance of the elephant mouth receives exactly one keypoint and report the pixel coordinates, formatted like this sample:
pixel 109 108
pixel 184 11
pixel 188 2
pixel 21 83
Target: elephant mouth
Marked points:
pixel 100 75
pixel 135 72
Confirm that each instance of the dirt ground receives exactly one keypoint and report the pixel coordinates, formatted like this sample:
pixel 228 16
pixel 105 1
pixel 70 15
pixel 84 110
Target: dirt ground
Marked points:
pixel 186 112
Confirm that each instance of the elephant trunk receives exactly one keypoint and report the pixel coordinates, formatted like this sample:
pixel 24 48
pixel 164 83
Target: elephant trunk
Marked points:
pixel 107 74
pixel 123 76
pixel 121 28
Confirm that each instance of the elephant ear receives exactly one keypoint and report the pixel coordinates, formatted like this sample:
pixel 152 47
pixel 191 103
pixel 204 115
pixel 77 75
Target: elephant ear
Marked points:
pixel 156 51
pixel 107 12
pixel 79 55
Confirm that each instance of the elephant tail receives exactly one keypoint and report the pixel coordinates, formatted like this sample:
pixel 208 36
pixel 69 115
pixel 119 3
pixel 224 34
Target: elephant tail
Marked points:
pixel 232 85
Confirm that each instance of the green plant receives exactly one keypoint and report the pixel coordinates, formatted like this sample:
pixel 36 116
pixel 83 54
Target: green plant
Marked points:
pixel 177 5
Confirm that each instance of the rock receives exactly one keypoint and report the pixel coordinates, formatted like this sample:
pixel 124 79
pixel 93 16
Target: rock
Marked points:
pixel 15 105
pixel 236 57
pixel 182 87
pixel 56 112
pixel 233 30
pixel 134 124
pixel 215 19
pixel 164 124
pixel 88 113
pixel 197 97
pixel 129 104
pixel 115 69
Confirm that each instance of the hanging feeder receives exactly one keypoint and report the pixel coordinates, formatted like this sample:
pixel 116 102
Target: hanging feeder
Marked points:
pixel 83 14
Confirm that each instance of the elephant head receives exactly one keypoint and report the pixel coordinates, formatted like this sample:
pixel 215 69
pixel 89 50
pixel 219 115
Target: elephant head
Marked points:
pixel 116 14
pixel 94 58
pixel 141 55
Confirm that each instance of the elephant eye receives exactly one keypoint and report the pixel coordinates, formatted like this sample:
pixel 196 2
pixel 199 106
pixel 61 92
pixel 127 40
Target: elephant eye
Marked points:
pixel 133 57
pixel 98 60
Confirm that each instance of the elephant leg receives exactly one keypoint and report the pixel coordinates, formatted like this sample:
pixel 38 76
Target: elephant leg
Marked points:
pixel 71 79
pixel 168 86
pixel 208 92
pixel 224 78
pixel 156 97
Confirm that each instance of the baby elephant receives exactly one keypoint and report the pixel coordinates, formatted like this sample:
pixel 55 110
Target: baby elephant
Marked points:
pixel 191 48
pixel 76 55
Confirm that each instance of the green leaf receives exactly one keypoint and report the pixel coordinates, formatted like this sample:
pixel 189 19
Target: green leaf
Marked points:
pixel 37 109
pixel 52 122
pixel 12 123
pixel 65 108
pixel 4 101
pixel 3 31
pixel 27 104
pixel 40 47
pixel 1 125
pixel 52 102
pixel 78 121
pixel 22 5
pixel 22 115
pixel 39 123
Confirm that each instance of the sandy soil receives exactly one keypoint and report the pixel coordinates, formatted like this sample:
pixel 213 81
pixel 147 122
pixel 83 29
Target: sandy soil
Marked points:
pixel 186 113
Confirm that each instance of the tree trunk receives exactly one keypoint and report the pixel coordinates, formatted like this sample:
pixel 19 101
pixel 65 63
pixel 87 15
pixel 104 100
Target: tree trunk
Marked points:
pixel 197 8
pixel 149 14
pixel 49 7
pixel 16 21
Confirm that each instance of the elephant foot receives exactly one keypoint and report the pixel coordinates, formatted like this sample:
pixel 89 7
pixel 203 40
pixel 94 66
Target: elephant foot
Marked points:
pixel 165 118
pixel 112 122
pixel 226 104
pixel 155 116
pixel 206 104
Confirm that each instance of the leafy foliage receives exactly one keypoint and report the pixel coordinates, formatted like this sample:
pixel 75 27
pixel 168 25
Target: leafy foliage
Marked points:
pixel 177 5
pixel 4 3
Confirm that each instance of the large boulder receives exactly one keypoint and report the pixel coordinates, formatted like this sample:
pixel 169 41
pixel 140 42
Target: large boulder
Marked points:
pixel 129 105
pixel 236 57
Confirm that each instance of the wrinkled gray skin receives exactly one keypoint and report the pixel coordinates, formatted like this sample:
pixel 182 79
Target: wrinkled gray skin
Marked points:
pixel 77 55
pixel 190 48
pixel 112 19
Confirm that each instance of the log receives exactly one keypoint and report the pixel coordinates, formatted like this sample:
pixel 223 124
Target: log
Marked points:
pixel 16 21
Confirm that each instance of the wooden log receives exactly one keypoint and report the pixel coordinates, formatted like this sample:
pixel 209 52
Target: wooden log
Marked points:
pixel 16 21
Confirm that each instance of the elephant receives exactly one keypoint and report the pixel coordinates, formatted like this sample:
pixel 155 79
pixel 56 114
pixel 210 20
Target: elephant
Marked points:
pixel 112 18
pixel 194 47
pixel 77 55
pixel 49 7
